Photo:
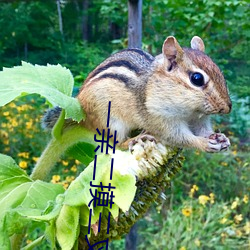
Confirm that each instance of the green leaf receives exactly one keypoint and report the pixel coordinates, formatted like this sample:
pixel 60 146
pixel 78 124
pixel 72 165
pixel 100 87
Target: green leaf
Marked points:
pixel 124 189
pixel 20 197
pixel 14 198
pixel 50 234
pixel 84 215
pixel 114 211
pixel 78 193
pixel 50 216
pixel 39 194
pixel 9 220
pixel 9 168
pixel 34 243
pixel 84 152
pixel 53 82
pixel 6 186
pixel 4 240
pixel 26 203
pixel 14 223
pixel 67 226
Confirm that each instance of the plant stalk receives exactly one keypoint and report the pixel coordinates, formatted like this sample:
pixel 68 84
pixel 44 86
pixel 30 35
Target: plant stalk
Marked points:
pixel 57 147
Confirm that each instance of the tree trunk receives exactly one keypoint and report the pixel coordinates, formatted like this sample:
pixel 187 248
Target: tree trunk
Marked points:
pixel 85 20
pixel 135 23
pixel 59 16
pixel 131 238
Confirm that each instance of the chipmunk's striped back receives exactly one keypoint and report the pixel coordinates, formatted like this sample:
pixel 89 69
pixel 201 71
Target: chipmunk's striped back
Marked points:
pixel 123 66
pixel 121 79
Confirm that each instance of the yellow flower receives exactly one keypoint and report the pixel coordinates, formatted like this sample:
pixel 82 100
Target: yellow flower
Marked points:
pixel 6 141
pixel 235 203
pixel 245 199
pixel 14 123
pixel 223 235
pixel 238 233
pixel 247 227
pixel 55 178
pixel 70 178
pixel 223 220
pixel 211 195
pixel 24 154
pixel 12 105
pixel 187 211
pixel 193 190
pixel 203 199
pixel 35 159
pixel 29 135
pixel 4 134
pixel 183 248
pixel 19 108
pixel 29 124
pixel 65 163
pixel 197 242
pixel 6 149
pixel 238 218
pixel 234 152
pixel 23 164
pixel 77 162
pixel 6 113
pixel 73 168
pixel 24 107
pixel 238 159
pixel 224 164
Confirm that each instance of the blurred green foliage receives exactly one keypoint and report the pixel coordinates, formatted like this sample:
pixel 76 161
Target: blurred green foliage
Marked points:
pixel 30 31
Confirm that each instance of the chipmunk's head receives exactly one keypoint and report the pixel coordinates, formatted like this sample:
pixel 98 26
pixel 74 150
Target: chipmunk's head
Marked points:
pixel 201 78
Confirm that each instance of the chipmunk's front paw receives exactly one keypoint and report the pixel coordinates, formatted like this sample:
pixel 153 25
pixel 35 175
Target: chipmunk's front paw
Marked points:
pixel 141 139
pixel 218 142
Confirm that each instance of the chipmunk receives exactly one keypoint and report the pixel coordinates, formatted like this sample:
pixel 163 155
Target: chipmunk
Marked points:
pixel 170 96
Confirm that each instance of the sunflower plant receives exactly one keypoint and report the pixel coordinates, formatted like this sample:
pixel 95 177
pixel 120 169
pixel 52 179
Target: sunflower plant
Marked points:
pixel 29 201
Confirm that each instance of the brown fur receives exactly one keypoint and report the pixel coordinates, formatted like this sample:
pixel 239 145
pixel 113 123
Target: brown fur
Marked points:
pixel 156 95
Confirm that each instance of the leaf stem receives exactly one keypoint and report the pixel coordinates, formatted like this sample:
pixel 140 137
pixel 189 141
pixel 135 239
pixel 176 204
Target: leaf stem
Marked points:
pixel 57 146
pixel 16 240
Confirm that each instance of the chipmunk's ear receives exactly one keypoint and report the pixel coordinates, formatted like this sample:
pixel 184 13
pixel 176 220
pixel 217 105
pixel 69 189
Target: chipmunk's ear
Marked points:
pixel 197 43
pixel 171 49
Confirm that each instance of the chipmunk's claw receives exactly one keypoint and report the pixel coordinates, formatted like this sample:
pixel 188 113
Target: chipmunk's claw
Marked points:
pixel 141 139
pixel 218 142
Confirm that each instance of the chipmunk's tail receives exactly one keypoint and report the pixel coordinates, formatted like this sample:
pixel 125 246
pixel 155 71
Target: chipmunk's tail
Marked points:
pixel 50 117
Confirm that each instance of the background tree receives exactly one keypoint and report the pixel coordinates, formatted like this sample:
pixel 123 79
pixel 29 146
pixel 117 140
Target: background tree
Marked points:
pixel 135 23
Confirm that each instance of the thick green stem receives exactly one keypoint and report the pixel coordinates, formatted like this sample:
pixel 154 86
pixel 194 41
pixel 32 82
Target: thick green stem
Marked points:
pixel 50 156
pixel 57 146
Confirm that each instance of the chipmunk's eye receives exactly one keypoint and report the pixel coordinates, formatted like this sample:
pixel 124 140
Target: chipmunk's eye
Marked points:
pixel 197 79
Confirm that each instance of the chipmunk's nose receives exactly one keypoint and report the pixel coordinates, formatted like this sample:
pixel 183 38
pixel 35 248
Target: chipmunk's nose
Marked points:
pixel 227 108
pixel 230 106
